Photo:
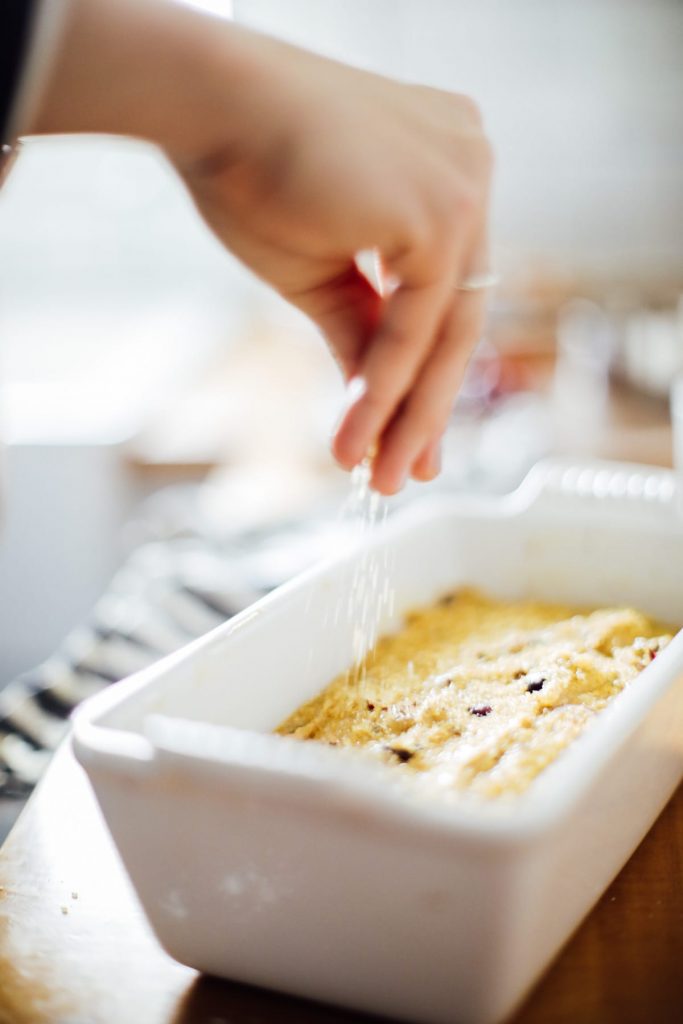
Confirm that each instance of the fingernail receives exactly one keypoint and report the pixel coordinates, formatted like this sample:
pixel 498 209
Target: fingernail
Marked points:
pixel 401 482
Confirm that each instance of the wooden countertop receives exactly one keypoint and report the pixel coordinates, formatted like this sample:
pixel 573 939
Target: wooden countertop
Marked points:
pixel 75 947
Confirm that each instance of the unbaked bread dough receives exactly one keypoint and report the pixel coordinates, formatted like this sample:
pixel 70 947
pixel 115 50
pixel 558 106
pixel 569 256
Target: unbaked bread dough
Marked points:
pixel 482 694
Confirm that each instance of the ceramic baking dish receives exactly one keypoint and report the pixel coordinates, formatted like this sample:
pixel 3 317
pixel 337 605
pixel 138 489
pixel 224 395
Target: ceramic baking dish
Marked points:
pixel 304 868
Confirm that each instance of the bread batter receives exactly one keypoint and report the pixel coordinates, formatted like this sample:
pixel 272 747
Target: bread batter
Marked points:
pixel 479 693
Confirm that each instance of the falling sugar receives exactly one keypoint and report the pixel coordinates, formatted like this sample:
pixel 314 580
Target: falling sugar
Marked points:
pixel 370 597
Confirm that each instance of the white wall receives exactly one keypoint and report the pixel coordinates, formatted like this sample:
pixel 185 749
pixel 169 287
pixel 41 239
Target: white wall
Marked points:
pixel 583 100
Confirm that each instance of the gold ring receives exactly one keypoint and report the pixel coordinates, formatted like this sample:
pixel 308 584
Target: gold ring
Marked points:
pixel 478 282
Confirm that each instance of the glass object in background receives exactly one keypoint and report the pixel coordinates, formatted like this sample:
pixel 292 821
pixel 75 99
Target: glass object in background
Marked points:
pixel 651 349
pixel 585 345
pixel 516 434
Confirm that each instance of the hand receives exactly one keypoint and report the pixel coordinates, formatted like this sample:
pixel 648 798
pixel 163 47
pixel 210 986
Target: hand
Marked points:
pixel 299 163
pixel 332 161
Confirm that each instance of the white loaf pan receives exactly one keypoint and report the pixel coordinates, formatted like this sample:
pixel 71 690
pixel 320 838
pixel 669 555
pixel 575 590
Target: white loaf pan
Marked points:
pixel 305 869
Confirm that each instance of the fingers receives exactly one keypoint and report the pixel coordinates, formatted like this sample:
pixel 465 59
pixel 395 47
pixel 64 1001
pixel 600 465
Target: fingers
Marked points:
pixel 405 335
pixel 410 439
pixel 411 443
pixel 428 463
pixel 411 319
pixel 416 317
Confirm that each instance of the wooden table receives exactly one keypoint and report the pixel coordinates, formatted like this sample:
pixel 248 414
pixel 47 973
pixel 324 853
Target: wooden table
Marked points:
pixel 76 949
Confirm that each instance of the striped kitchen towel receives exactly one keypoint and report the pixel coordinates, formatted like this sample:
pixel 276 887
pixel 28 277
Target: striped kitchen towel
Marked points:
pixel 168 593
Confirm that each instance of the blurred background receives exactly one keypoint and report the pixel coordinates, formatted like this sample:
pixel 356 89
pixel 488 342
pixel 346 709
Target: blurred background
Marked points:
pixel 151 390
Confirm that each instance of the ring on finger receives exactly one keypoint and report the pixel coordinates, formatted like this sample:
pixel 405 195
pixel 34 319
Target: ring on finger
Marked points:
pixel 478 282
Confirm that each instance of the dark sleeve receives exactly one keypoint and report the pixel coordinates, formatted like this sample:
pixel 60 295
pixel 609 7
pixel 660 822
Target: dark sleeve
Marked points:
pixel 16 18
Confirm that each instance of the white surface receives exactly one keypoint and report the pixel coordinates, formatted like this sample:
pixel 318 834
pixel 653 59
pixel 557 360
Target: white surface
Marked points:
pixel 63 505
pixel 583 102
pixel 109 282
pixel 306 869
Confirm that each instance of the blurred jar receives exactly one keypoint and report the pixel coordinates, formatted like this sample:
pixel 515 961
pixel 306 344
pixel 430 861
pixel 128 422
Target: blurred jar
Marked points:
pixel 649 340
pixel 585 348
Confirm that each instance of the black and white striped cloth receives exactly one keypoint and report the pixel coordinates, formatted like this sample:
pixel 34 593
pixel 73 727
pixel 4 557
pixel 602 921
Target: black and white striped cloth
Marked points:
pixel 167 593
pixel 152 607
